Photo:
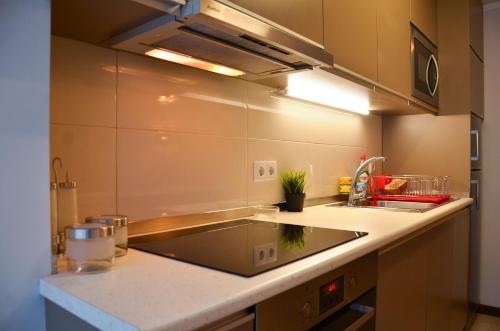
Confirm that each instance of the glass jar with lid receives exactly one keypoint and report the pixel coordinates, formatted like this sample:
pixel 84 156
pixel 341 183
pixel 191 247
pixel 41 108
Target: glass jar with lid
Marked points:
pixel 119 222
pixel 90 247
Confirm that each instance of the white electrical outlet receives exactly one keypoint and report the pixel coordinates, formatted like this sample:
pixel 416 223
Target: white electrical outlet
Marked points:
pixel 272 169
pixel 264 254
pixel 259 171
pixel 265 171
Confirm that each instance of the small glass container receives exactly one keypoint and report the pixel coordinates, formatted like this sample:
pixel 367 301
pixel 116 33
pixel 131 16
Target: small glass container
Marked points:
pixel 121 230
pixel 90 247
pixel 344 185
pixel 266 212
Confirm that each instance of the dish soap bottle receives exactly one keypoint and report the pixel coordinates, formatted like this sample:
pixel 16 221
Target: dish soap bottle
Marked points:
pixel 362 180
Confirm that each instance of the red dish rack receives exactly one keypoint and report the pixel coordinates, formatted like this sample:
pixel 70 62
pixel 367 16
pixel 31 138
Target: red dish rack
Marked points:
pixel 415 188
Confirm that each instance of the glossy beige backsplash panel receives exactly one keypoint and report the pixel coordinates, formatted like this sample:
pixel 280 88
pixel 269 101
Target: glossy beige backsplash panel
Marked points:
pixel 182 140
pixel 89 154
pixel 275 118
pixel 156 95
pixel 83 84
pixel 323 165
pixel 165 174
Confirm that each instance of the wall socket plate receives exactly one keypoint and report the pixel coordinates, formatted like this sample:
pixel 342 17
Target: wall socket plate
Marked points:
pixel 265 171
pixel 264 254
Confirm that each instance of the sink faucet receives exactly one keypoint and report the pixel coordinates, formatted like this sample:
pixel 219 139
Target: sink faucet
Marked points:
pixel 352 195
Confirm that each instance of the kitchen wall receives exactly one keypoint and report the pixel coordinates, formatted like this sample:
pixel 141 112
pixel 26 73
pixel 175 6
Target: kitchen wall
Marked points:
pixel 428 144
pixel 490 209
pixel 24 144
pixel 147 138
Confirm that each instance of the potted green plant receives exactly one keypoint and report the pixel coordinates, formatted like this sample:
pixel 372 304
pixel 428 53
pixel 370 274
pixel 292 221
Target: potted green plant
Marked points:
pixel 293 183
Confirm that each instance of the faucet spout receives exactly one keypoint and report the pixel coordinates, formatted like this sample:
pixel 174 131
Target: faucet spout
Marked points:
pixel 352 195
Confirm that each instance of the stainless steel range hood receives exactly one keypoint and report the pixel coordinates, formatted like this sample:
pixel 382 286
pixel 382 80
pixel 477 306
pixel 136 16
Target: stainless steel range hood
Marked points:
pixel 220 32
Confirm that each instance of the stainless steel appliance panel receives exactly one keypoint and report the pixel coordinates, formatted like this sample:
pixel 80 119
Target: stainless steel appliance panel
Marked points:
pixel 424 68
pixel 475 239
pixel 475 142
pixel 307 305
pixel 221 32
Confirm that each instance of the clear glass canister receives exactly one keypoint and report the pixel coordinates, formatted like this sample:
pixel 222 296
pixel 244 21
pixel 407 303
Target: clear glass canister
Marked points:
pixel 120 223
pixel 90 247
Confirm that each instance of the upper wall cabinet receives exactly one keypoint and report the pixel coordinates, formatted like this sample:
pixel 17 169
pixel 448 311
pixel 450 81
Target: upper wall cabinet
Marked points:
pixel 351 35
pixel 302 16
pixel 476 27
pixel 394 45
pixel 423 14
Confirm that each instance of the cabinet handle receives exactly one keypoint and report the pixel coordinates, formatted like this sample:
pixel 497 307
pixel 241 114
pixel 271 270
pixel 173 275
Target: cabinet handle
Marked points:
pixel 234 324
pixel 476 198
pixel 475 133
pixel 432 58
pixel 368 313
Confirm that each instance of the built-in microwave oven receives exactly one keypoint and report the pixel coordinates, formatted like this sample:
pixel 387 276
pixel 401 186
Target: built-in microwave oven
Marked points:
pixel 424 68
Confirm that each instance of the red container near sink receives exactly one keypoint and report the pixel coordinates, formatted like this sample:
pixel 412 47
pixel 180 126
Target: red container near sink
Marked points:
pixel 413 188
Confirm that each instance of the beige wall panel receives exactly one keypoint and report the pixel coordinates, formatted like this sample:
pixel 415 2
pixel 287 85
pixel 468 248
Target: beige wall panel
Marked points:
pixel 323 165
pixel 158 95
pixel 167 174
pixel 281 119
pixel 83 84
pixel 351 35
pixel 427 144
pixel 89 156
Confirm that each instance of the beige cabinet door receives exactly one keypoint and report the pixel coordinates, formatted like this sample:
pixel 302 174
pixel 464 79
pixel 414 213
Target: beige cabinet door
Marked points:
pixel 476 27
pixel 401 287
pixel 423 14
pixel 439 277
pixel 394 52
pixel 476 85
pixel 351 35
pixel 423 282
pixel 460 282
pixel 304 17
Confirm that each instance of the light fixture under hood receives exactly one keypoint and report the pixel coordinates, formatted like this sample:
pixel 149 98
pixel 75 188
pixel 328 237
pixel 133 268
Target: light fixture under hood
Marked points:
pixel 193 62
pixel 327 90
pixel 226 38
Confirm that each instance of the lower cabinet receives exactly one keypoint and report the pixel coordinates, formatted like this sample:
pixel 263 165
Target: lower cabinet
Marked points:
pixel 422 282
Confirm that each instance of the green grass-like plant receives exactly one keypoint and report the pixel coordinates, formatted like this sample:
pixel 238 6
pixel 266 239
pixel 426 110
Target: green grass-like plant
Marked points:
pixel 292 236
pixel 293 182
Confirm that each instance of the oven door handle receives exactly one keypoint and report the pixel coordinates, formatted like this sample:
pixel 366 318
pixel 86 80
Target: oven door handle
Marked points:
pixel 432 58
pixel 368 314
pixel 475 182
pixel 475 134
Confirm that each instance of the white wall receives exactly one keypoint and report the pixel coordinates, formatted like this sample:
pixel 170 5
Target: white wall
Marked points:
pixel 490 228
pixel 24 173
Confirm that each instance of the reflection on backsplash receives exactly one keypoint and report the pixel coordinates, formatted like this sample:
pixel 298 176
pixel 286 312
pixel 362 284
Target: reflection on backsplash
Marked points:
pixel 158 139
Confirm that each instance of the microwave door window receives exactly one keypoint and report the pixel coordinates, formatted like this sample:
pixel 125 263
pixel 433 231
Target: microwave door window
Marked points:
pixel 421 59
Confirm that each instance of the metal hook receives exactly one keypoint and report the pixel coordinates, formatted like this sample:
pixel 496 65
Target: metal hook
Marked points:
pixel 56 159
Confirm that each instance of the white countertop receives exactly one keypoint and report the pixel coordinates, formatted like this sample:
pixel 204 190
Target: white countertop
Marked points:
pixel 148 292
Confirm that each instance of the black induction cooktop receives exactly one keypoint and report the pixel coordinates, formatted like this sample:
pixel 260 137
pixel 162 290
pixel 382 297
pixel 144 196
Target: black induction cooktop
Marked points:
pixel 243 247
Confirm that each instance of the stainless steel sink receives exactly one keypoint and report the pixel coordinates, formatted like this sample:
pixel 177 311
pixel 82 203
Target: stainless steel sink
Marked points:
pixel 404 206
